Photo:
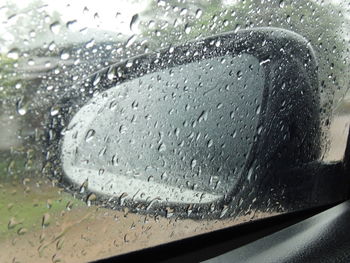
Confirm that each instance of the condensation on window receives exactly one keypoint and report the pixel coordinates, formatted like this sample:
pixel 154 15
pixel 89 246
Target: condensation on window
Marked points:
pixel 120 193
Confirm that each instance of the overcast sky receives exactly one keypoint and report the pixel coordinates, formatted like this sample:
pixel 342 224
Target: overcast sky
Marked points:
pixel 104 19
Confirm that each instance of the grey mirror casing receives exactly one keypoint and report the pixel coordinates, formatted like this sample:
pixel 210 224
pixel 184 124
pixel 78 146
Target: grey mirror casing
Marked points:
pixel 219 127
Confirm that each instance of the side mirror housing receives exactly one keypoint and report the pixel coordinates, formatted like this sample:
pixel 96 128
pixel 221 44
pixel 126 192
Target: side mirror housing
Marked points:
pixel 205 129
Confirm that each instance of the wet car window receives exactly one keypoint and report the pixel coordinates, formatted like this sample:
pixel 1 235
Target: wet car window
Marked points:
pixel 184 125
pixel 129 125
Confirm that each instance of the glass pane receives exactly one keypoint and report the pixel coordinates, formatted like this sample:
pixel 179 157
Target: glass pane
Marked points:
pixel 90 170
pixel 152 156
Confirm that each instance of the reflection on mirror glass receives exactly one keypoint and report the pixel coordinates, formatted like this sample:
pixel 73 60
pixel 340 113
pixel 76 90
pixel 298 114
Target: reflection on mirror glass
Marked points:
pixel 171 137
pixel 131 124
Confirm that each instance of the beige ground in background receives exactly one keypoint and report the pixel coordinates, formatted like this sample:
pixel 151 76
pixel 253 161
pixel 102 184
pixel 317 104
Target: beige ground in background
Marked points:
pixel 88 233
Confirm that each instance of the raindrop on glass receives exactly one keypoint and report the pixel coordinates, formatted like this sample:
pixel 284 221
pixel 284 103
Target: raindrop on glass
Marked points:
pixel 133 22
pixel 89 135
pixel 55 27
pixel 199 13
pixel 64 55
pixel 13 53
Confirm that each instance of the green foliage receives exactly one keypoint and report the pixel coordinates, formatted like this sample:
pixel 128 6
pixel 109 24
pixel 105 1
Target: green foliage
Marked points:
pixel 26 205
pixel 8 79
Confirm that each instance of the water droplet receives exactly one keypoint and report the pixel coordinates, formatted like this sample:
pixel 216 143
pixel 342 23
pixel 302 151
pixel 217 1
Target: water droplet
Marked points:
pixel 203 116
pixel 111 74
pixel 258 110
pixel 237 28
pixel 133 22
pixel 13 53
pixel 22 231
pixel 55 27
pixel 72 25
pixel 164 176
pixel 12 223
pixel 151 24
pixel 52 46
pixel 126 238
pixel 18 85
pixel 90 43
pixel 92 197
pixel 134 105
pixel 188 28
pixel 57 259
pixel 54 111
pixel 150 178
pixel 49 203
pixel 45 220
pixel 199 13
pixel 224 211
pixel 288 19
pixel 90 135
pixel 281 4
pixel 260 129
pixel 84 186
pixel 161 3
pixel 169 212
pixel 97 80
pixel 21 109
pixel 130 41
pixel 183 11
pixel 250 173
pixel 234 134
pixel 69 205
pixel 193 163
pixel 65 55
pixel 31 62
pixel 161 147
pixel 60 243
pixel 189 210
pixel 122 129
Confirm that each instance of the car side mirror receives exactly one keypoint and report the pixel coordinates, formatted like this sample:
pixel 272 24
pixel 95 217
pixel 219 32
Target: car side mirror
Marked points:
pixel 214 128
